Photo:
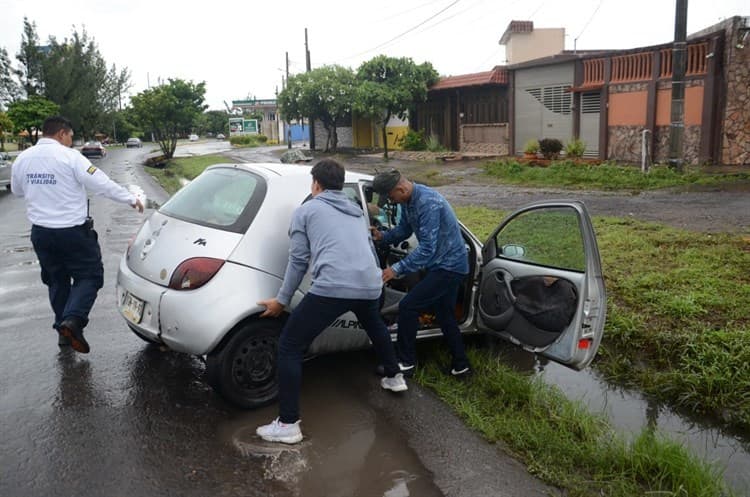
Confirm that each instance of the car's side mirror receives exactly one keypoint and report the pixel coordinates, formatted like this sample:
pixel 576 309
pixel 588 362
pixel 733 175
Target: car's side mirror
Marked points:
pixel 368 194
pixel 513 251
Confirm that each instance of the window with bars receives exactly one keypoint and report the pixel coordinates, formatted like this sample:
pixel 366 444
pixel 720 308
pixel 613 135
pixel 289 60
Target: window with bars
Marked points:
pixel 591 103
pixel 557 99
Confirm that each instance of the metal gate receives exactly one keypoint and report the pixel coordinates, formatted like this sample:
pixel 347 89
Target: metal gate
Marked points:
pixel 590 112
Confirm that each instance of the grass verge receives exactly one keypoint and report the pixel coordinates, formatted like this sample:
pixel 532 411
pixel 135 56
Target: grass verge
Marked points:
pixel 558 440
pixel 171 176
pixel 567 174
pixel 677 317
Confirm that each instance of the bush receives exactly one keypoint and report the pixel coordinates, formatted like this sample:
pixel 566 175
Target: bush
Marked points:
pixel 412 140
pixel 433 144
pixel 575 148
pixel 248 140
pixel 550 147
pixel 531 146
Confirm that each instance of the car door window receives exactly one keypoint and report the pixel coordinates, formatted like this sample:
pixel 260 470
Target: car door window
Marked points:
pixel 547 237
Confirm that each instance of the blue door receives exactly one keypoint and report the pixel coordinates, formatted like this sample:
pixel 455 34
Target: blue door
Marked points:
pixel 300 132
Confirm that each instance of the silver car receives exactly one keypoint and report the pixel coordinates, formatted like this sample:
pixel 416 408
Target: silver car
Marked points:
pixel 5 168
pixel 192 276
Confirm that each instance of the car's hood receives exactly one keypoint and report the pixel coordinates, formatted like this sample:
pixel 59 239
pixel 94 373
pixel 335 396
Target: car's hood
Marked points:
pixel 164 242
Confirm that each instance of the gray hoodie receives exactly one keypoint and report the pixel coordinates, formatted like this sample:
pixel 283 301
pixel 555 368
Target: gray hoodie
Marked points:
pixel 329 232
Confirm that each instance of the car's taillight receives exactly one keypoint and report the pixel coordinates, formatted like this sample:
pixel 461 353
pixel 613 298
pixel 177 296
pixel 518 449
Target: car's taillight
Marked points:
pixel 194 273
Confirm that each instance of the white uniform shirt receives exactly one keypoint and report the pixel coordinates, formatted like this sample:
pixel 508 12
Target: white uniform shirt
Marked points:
pixel 54 180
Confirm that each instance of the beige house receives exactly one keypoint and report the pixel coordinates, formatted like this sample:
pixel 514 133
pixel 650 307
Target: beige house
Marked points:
pixel 523 42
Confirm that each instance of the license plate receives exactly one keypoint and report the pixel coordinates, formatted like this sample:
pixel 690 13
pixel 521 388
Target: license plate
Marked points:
pixel 132 308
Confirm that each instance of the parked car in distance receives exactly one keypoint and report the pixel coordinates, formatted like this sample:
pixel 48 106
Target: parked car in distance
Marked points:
pixel 93 149
pixel 193 138
pixel 133 143
pixel 220 136
pixel 191 278
pixel 5 168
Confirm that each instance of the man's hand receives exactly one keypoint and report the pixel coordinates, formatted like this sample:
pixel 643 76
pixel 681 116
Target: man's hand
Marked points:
pixel 138 205
pixel 377 235
pixel 273 308
pixel 388 274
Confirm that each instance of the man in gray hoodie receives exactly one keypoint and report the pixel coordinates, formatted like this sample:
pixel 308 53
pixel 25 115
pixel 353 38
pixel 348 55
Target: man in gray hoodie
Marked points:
pixel 329 233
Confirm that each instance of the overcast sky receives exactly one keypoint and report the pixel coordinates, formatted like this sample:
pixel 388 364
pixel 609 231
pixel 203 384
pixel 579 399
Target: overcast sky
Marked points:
pixel 238 47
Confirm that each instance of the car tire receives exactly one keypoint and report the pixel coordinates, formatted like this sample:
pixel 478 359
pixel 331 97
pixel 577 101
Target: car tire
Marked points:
pixel 143 337
pixel 243 369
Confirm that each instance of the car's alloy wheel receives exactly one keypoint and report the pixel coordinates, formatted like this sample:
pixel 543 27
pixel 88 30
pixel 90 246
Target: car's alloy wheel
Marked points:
pixel 243 370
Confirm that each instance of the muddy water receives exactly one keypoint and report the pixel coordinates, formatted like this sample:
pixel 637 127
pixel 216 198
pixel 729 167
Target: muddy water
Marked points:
pixel 348 448
pixel 629 411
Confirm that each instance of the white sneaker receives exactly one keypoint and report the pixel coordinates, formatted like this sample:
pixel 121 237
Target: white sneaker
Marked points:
pixel 276 431
pixel 395 384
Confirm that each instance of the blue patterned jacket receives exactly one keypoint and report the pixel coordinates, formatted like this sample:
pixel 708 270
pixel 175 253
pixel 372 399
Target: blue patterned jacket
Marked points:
pixel 429 216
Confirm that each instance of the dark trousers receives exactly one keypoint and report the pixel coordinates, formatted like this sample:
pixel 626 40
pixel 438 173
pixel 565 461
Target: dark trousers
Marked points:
pixel 71 263
pixel 308 320
pixel 438 290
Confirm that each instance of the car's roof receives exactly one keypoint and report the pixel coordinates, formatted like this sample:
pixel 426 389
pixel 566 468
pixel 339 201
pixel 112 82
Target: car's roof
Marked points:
pixel 277 169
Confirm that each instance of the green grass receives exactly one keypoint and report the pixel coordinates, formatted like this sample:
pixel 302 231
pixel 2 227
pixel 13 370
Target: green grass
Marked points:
pixel 187 168
pixel 558 440
pixel 678 324
pixel 567 174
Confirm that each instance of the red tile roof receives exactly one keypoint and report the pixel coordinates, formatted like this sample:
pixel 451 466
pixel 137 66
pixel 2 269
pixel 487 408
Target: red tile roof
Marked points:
pixel 497 76
pixel 516 27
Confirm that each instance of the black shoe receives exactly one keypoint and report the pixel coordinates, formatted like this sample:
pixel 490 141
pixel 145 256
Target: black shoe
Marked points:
pixel 63 341
pixel 72 330
pixel 407 370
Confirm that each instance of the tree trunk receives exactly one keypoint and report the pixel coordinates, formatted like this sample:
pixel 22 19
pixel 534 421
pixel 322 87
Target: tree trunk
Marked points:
pixel 385 143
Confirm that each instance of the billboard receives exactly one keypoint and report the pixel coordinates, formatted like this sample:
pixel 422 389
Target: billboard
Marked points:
pixel 242 126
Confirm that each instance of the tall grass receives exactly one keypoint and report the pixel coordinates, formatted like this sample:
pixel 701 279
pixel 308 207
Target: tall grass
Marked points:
pixel 558 440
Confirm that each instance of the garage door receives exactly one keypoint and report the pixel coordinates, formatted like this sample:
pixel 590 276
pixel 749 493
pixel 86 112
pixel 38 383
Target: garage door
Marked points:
pixel 543 104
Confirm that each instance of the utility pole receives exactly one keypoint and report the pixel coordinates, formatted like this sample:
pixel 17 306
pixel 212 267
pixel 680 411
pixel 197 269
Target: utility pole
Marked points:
pixel 288 125
pixel 307 65
pixel 679 58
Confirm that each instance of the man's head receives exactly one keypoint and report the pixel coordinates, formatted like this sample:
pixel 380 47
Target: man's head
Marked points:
pixel 394 185
pixel 58 128
pixel 328 174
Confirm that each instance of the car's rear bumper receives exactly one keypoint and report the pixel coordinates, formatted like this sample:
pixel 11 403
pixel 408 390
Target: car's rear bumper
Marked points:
pixel 195 321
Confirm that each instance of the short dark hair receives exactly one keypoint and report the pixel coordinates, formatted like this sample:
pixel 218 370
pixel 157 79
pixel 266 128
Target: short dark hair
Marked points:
pixel 54 124
pixel 329 174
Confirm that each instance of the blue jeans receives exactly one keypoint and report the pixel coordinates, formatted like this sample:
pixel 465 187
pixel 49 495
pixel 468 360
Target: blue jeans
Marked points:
pixel 71 263
pixel 438 290
pixel 308 320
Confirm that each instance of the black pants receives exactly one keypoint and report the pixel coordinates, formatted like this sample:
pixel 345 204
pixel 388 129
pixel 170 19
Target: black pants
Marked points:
pixel 438 290
pixel 71 263
pixel 307 321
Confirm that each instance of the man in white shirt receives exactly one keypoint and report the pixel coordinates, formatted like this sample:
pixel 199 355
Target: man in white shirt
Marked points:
pixel 54 179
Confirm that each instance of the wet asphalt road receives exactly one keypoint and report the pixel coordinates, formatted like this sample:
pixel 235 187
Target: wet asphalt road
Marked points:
pixel 129 419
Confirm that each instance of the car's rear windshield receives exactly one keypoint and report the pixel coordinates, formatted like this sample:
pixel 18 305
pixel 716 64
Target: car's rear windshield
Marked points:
pixel 225 198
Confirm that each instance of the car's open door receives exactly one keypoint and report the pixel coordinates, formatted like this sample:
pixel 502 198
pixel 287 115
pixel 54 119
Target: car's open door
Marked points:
pixel 541 284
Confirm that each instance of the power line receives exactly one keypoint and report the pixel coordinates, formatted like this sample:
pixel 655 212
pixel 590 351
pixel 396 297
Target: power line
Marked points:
pixel 587 24
pixel 405 32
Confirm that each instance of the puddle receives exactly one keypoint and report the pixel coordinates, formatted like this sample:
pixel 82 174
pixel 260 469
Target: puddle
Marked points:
pixel 348 449
pixel 629 412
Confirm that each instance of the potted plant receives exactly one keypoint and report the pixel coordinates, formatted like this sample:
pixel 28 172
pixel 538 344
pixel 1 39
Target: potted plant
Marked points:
pixel 531 148
pixel 575 148
pixel 550 148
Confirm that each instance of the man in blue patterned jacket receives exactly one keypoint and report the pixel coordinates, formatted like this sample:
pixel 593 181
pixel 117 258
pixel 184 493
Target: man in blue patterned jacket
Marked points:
pixel 441 253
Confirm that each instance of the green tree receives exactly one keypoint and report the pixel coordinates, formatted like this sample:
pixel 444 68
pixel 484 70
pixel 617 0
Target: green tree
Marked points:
pixel 6 126
pixel 77 78
pixel 390 86
pixel 9 89
pixel 29 114
pixel 325 93
pixel 213 121
pixel 169 111
pixel 31 58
